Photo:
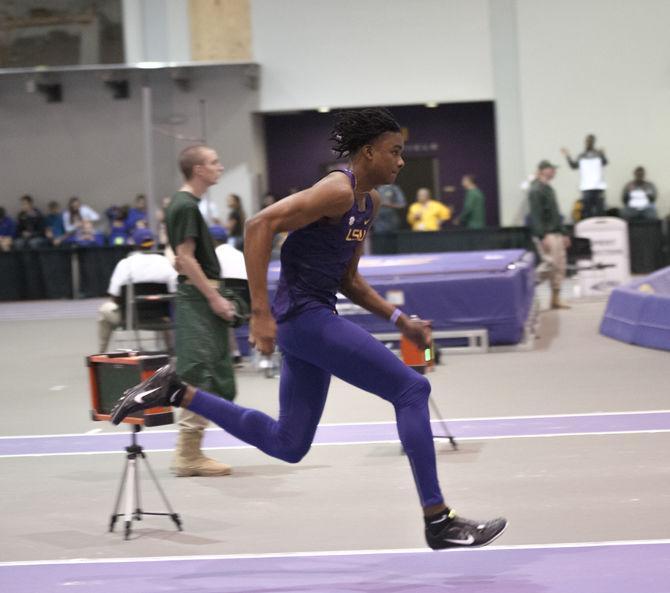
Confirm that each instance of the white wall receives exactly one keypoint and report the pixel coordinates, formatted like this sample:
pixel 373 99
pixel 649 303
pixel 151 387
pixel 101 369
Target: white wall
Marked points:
pixel 91 145
pixel 156 31
pixel 371 52
pixel 601 66
pixel 507 92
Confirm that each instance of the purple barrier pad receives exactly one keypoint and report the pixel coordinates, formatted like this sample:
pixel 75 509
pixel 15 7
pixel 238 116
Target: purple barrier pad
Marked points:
pixel 629 568
pixel 638 317
pixel 353 433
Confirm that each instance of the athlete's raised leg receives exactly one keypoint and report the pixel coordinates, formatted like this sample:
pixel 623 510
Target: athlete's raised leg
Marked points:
pixel 303 389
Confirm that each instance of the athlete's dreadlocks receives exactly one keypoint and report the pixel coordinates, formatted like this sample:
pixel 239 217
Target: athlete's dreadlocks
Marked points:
pixel 355 129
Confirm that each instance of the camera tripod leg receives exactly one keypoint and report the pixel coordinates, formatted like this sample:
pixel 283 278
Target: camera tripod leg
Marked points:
pixel 130 490
pixel 137 515
pixel 174 516
pixel 115 512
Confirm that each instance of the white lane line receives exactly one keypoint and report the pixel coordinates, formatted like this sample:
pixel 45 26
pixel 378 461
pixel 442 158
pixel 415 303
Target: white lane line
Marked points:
pixel 530 417
pixel 518 547
pixel 374 423
pixel 371 442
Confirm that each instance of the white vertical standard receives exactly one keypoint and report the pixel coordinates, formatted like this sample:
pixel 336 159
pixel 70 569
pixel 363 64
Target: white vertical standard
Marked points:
pixel 148 143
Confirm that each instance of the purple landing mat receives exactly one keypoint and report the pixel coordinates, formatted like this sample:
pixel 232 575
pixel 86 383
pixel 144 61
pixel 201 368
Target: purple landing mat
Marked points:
pixel 412 265
pixel 626 568
pixel 354 433
pixel 466 290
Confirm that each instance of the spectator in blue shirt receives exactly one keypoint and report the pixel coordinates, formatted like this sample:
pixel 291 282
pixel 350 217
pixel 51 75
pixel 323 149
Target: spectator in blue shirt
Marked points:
pixel 87 236
pixel 7 230
pixel 55 229
pixel 137 213
pixel 118 232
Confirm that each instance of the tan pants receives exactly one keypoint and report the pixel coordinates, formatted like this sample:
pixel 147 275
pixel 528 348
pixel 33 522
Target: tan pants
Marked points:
pixel 109 318
pixel 554 253
pixel 191 422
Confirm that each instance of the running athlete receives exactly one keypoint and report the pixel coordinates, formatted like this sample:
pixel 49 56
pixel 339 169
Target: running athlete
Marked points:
pixel 327 225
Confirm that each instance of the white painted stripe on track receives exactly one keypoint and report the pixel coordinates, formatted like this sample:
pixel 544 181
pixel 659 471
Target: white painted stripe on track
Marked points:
pixel 557 546
pixel 377 442
pixel 530 417
pixel 373 423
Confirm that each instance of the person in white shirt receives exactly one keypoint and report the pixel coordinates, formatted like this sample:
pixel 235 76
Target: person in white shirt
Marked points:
pixel 76 213
pixel 139 266
pixel 209 211
pixel 234 271
pixel 638 198
pixel 591 164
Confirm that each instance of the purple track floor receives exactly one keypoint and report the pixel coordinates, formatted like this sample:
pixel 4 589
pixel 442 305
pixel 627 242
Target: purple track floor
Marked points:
pixel 631 567
pixel 477 428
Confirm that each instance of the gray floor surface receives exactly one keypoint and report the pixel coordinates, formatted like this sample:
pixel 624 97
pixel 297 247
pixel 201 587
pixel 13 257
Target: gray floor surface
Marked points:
pixel 347 497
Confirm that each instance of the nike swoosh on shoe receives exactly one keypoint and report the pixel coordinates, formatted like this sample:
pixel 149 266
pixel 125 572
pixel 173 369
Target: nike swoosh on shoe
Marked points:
pixel 463 542
pixel 139 398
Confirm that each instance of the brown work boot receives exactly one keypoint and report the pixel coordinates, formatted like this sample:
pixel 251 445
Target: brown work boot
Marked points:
pixel 556 302
pixel 189 459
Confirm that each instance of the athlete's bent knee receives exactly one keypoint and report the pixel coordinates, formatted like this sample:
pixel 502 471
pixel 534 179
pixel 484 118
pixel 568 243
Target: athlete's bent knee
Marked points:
pixel 289 448
pixel 293 454
pixel 416 394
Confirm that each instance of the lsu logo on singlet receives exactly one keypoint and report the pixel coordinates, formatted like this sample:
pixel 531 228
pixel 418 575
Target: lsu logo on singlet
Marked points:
pixel 356 234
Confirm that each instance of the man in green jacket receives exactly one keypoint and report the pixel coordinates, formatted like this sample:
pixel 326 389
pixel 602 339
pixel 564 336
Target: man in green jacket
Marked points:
pixel 473 215
pixel 205 309
pixel 546 225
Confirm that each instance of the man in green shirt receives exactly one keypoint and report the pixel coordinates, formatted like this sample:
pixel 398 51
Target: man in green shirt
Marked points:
pixel 204 309
pixel 473 215
pixel 547 226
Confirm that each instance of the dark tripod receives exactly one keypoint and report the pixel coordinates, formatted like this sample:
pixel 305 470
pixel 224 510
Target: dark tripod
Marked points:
pixel 131 485
pixel 443 423
pixel 436 411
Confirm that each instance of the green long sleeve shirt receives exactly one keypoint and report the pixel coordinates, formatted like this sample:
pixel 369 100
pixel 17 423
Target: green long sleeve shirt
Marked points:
pixel 473 215
pixel 544 215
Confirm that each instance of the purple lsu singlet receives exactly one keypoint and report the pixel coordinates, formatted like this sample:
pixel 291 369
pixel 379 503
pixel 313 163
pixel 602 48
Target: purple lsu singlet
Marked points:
pixel 315 258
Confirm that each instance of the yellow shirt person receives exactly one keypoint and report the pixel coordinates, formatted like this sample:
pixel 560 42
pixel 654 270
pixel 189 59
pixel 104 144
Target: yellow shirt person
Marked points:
pixel 426 214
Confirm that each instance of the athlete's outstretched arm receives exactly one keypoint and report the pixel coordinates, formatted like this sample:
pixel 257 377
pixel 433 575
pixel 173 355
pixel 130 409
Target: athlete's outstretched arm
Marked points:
pixel 331 197
pixel 358 291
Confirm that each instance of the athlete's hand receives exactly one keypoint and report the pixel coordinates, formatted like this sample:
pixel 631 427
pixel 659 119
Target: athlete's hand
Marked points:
pixel 416 330
pixel 262 332
pixel 222 307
